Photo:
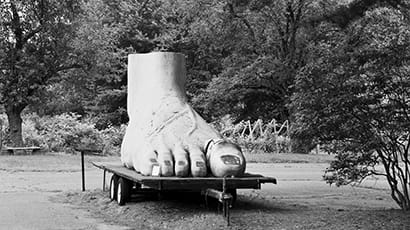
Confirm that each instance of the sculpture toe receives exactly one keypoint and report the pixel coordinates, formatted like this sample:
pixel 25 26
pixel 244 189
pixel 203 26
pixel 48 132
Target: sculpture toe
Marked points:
pixel 148 164
pixel 166 162
pixel 181 161
pixel 225 159
pixel 198 163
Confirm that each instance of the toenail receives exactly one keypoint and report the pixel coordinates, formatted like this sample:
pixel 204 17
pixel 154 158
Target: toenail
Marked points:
pixel 231 160
pixel 200 164
pixel 155 170
pixel 167 163
pixel 181 163
pixel 153 160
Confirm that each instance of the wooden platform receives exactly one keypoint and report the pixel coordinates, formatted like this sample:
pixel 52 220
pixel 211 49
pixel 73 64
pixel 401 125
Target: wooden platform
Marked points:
pixel 249 181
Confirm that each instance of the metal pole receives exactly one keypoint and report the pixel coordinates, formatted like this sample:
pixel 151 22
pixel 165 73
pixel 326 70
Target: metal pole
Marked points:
pixel 82 170
pixel 104 180
pixel 227 214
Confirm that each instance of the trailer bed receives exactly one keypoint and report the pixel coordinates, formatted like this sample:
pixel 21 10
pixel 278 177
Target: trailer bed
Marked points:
pixel 248 181
pixel 222 189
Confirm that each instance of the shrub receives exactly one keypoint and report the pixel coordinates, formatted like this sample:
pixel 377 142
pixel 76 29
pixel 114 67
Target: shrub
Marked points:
pixel 112 139
pixel 63 133
pixel 59 133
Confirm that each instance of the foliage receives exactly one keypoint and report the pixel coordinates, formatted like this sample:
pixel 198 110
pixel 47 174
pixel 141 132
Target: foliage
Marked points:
pixel 264 43
pixel 119 28
pixel 111 139
pixel 354 96
pixel 65 132
pixel 35 45
pixel 231 57
pixel 139 27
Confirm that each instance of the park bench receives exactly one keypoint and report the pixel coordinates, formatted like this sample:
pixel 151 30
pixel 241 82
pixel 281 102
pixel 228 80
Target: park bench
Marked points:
pixel 21 150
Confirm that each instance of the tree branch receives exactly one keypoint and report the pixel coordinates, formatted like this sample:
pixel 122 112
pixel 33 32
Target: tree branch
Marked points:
pixel 245 21
pixel 16 26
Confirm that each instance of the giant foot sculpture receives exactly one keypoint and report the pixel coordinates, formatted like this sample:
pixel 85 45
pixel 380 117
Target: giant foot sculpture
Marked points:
pixel 165 136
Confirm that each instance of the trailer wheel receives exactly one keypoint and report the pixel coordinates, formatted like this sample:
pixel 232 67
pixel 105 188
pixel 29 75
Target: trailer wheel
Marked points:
pixel 123 191
pixel 113 187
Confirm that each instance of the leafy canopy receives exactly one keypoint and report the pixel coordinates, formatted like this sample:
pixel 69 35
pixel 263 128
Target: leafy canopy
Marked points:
pixel 354 96
pixel 35 45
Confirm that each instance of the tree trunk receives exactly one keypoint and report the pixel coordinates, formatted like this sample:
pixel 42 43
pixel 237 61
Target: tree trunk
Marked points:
pixel 15 124
pixel 1 134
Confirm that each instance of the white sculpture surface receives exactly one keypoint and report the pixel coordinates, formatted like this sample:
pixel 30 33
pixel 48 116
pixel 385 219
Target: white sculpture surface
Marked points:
pixel 165 136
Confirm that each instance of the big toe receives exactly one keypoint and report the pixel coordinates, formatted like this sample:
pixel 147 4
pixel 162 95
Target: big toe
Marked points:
pixel 226 159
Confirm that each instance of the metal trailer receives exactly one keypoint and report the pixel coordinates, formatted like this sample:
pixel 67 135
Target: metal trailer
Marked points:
pixel 124 182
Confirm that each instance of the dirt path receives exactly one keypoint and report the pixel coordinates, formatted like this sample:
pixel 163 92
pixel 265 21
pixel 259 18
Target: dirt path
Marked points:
pixel 27 190
pixel 303 184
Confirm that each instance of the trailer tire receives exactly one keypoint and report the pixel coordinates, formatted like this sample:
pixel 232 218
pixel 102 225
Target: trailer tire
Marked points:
pixel 123 191
pixel 113 187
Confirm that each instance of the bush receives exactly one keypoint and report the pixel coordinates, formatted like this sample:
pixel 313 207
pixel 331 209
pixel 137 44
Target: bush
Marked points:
pixel 268 144
pixel 63 133
pixel 112 138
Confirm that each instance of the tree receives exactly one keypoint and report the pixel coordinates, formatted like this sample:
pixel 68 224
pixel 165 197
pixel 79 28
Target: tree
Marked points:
pixel 108 32
pixel 226 43
pixel 354 97
pixel 264 43
pixel 35 46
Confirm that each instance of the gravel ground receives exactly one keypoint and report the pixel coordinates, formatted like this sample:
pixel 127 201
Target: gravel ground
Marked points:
pixel 251 211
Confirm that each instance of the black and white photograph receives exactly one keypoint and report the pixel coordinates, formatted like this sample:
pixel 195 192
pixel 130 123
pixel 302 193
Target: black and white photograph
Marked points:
pixel 204 114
